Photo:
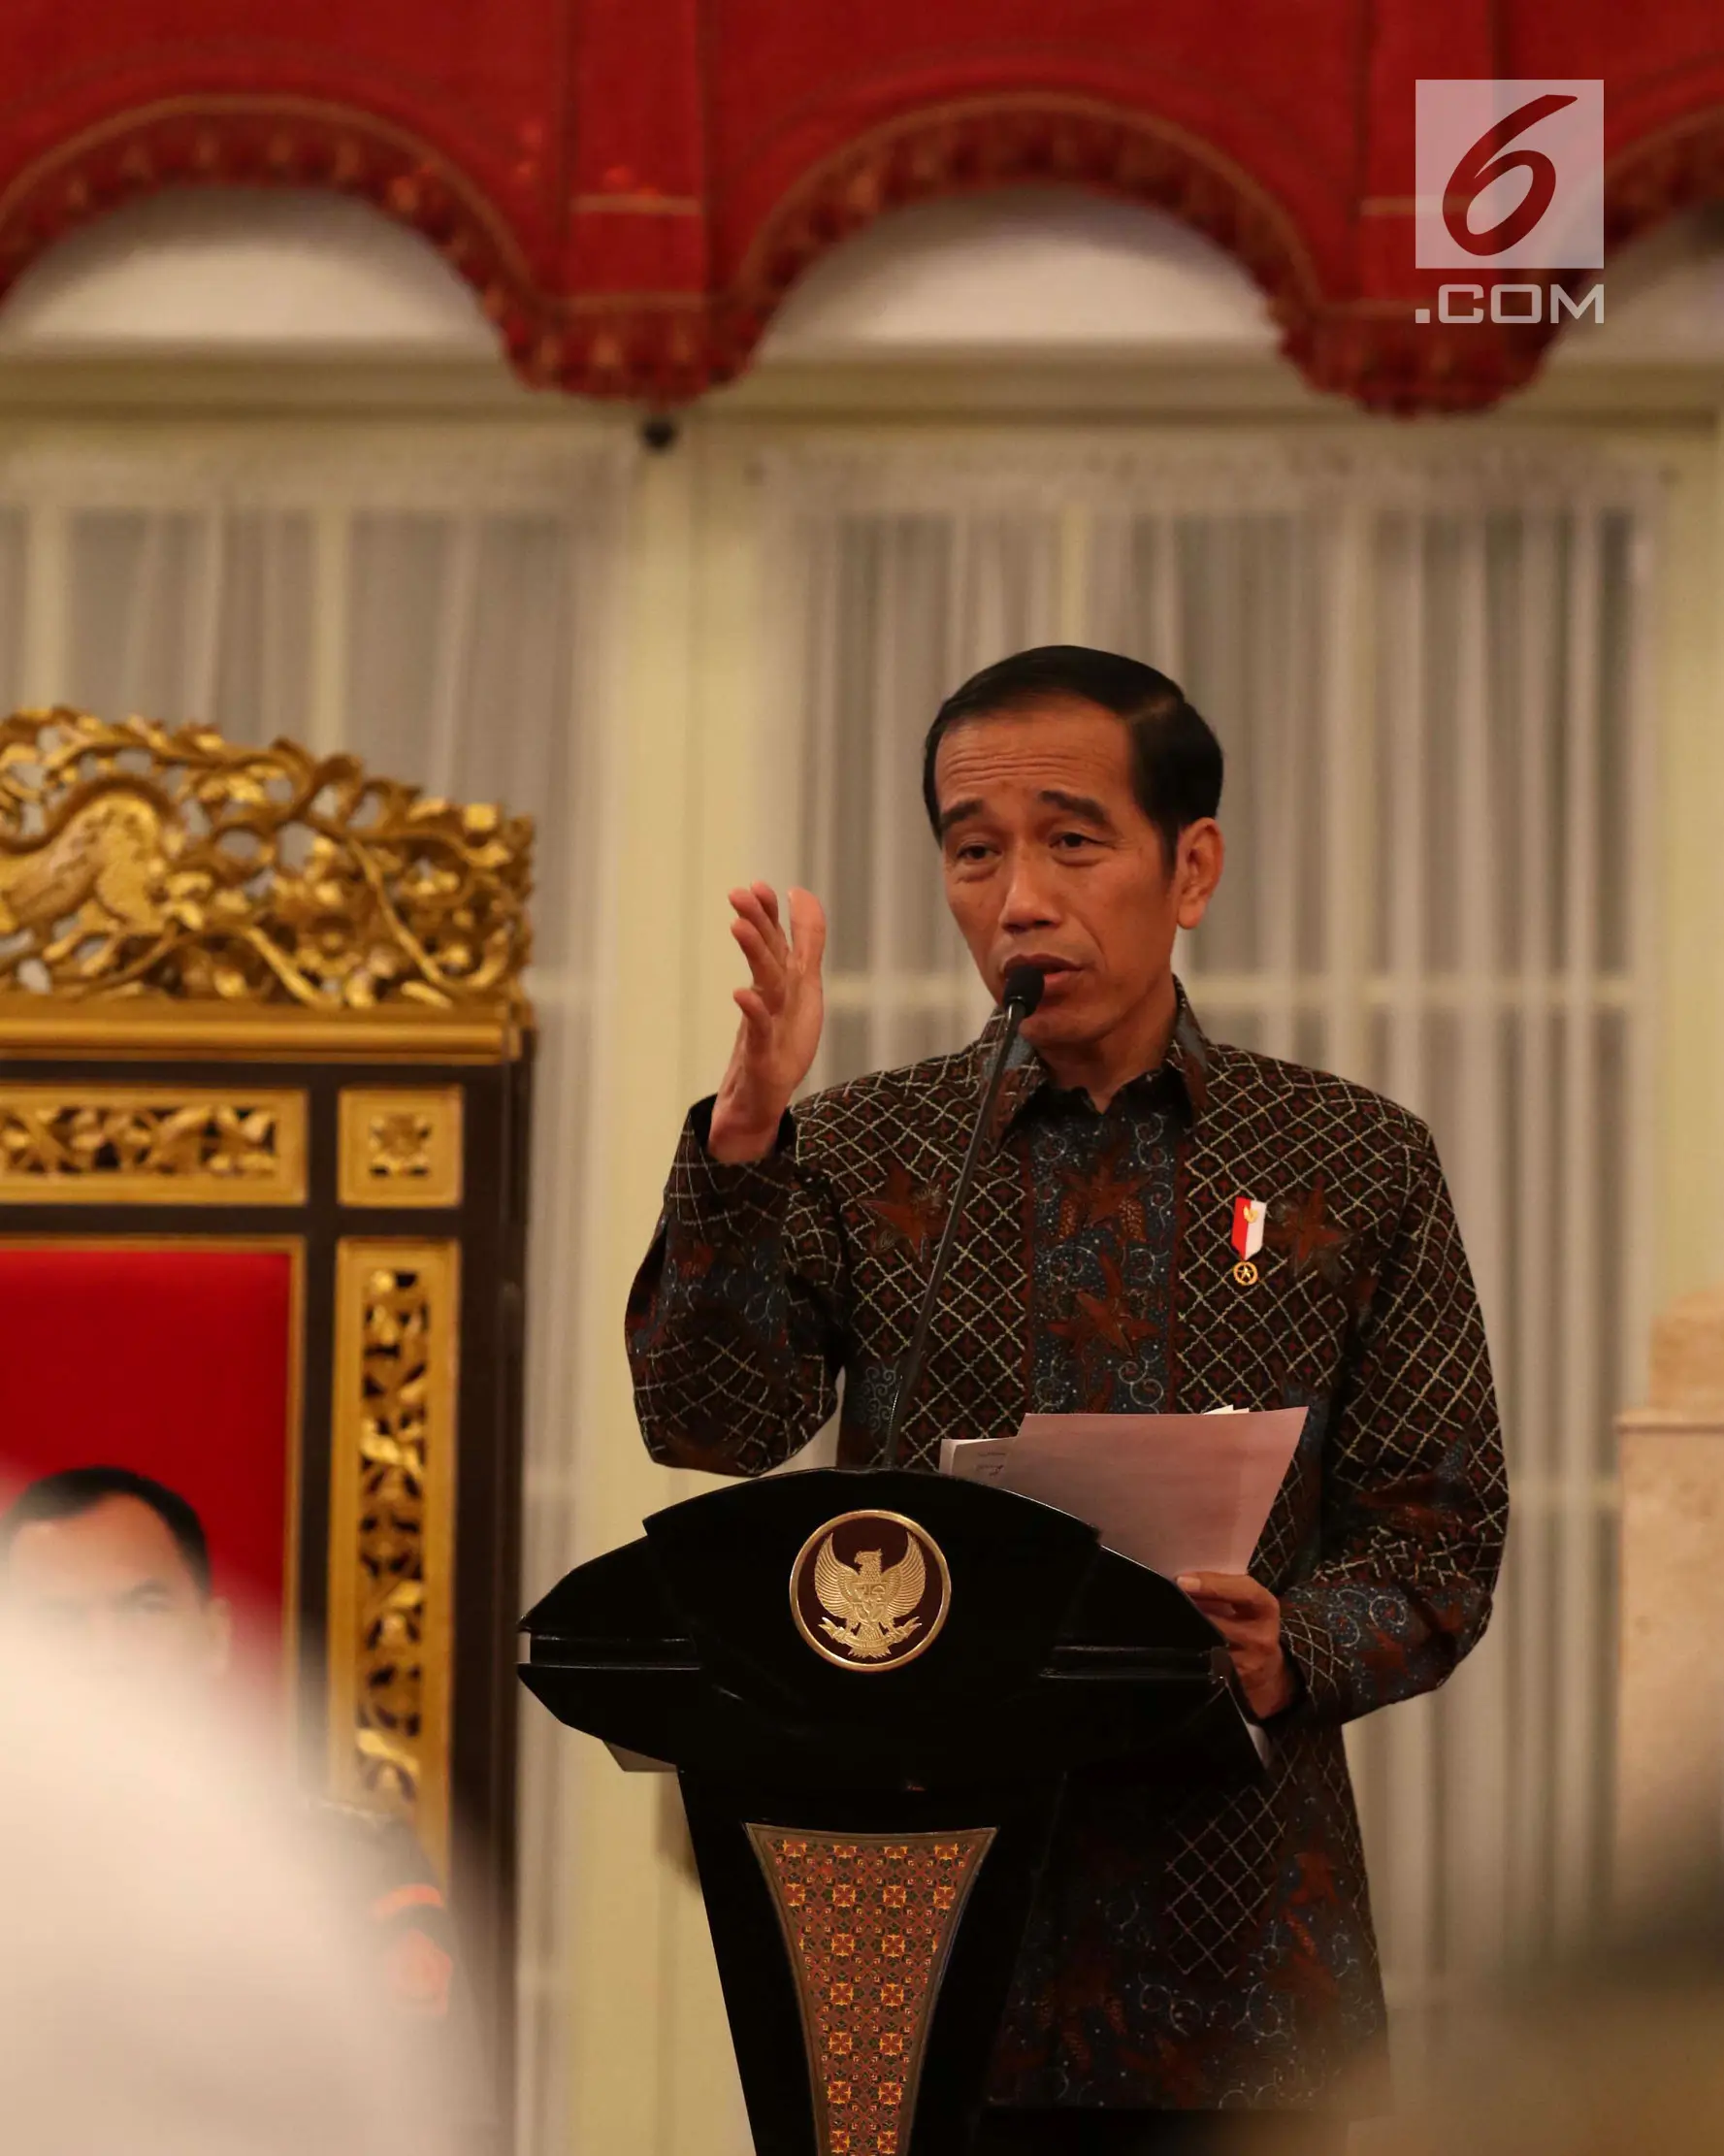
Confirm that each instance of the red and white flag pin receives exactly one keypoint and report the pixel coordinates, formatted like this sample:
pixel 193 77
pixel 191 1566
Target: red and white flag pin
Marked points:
pixel 1248 1237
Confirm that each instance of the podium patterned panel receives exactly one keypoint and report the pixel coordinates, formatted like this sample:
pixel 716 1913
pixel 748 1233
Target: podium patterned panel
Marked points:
pixel 870 1921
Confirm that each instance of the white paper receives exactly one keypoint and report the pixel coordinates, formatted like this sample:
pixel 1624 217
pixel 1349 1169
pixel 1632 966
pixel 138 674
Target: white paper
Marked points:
pixel 1176 1492
pixel 975 1459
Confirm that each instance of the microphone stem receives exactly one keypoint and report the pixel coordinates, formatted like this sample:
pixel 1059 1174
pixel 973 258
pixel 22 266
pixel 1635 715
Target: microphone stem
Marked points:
pixel 966 1175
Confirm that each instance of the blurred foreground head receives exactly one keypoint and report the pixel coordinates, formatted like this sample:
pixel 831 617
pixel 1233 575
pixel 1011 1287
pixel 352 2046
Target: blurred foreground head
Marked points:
pixel 115 1568
pixel 178 1976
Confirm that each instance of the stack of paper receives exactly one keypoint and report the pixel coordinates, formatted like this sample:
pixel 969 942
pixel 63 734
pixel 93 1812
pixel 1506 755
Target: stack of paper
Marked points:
pixel 1176 1492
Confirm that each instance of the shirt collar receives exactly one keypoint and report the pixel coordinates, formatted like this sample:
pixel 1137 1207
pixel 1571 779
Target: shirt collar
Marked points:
pixel 1184 1069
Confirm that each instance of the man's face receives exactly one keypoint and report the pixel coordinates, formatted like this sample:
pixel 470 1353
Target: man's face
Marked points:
pixel 1049 857
pixel 111 1585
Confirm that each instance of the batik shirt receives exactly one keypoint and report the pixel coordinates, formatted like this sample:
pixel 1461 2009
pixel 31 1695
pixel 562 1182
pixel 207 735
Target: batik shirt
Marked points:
pixel 1184 1952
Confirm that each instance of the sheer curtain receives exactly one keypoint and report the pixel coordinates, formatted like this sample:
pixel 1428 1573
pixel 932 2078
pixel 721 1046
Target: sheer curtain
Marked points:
pixel 1428 672
pixel 443 611
pixel 891 608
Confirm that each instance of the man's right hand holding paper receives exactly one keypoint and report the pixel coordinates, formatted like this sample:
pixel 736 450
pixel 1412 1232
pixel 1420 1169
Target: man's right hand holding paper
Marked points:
pixel 782 1008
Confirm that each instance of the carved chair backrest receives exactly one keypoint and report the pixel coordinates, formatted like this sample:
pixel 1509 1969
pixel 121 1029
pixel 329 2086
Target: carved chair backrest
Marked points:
pixel 259 1002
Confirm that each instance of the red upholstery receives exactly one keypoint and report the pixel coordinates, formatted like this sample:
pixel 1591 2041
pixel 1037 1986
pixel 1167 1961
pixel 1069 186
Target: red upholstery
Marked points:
pixel 174 1363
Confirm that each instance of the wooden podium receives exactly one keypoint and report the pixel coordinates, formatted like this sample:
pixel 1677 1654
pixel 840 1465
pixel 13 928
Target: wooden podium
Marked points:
pixel 871 1685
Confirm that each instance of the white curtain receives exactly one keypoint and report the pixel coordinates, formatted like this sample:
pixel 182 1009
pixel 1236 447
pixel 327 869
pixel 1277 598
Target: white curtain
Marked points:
pixel 1427 671
pixel 443 611
pixel 888 609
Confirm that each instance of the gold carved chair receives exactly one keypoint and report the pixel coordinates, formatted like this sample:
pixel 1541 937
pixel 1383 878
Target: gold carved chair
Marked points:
pixel 263 1089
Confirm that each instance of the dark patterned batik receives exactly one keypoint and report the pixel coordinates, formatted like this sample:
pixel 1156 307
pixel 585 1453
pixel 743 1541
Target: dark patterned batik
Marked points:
pixel 1189 1952
pixel 1102 1190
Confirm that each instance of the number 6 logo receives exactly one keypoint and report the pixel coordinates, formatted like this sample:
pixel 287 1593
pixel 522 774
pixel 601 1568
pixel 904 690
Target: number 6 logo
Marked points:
pixel 1480 165
pixel 1473 134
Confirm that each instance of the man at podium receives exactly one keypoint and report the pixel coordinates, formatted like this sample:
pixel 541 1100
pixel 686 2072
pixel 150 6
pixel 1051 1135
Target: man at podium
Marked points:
pixel 1158 1223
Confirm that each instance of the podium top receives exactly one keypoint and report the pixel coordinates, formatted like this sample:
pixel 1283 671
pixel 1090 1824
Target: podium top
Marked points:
pixel 882 1628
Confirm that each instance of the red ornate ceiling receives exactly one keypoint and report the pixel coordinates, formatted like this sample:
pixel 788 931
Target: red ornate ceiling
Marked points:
pixel 631 185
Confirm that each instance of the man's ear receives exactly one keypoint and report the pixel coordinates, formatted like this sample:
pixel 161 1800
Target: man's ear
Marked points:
pixel 1197 869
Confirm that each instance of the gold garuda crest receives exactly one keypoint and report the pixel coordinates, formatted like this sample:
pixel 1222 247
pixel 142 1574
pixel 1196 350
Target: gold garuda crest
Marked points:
pixel 870 1590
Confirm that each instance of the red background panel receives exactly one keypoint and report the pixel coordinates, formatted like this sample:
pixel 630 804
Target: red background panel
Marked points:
pixel 631 185
pixel 176 1363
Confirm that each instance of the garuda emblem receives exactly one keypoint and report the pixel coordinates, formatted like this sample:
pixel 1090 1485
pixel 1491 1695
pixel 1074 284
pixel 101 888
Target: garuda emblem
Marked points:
pixel 870 1590
pixel 866 1602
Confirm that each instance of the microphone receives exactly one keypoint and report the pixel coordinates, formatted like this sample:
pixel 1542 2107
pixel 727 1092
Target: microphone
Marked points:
pixel 1022 992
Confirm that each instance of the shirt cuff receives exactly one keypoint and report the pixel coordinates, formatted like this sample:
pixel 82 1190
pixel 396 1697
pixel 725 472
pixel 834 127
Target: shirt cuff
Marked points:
pixel 745 1196
pixel 1324 1690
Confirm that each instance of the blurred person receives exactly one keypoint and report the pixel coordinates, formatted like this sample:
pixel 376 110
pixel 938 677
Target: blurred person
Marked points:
pixel 112 1569
pixel 1159 1220
pixel 116 1566
pixel 181 1975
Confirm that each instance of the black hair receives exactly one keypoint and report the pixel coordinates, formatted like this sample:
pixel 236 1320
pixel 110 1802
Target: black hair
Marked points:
pixel 1176 760
pixel 76 1491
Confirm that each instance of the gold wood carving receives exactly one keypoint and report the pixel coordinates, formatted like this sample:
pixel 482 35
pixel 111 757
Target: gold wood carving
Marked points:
pixel 401 1145
pixel 134 1028
pixel 392 1546
pixel 138 861
pixel 81 1143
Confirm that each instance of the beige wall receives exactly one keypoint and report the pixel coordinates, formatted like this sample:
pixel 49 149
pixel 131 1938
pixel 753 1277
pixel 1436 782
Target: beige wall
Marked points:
pixel 650 2067
pixel 1689 848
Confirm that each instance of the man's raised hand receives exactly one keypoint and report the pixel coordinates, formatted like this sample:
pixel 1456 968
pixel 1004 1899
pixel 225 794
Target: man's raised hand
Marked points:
pixel 782 1008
